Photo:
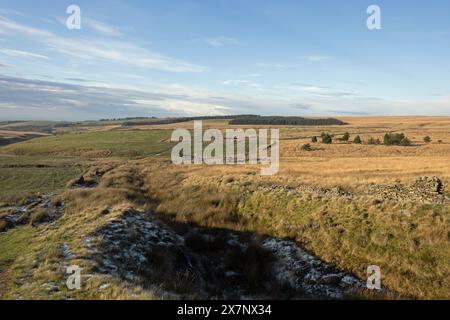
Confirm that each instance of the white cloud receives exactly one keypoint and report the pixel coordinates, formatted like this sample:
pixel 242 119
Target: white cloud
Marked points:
pixel 320 91
pixel 240 82
pixel 22 54
pixel 62 101
pixel 120 52
pixel 221 41
pixel 8 26
pixel 188 107
pixel 102 27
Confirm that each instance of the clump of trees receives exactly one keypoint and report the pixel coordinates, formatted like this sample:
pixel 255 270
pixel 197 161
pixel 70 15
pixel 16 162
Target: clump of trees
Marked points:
pixel 326 138
pixel 279 120
pixel 390 139
pixel 427 139
pixel 396 139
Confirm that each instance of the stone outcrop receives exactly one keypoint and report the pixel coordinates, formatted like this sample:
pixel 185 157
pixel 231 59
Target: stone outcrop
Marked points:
pixel 36 210
pixel 141 249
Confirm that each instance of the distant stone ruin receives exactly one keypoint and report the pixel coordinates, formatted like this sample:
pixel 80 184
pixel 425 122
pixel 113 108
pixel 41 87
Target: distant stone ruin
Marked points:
pixel 424 189
pixel 429 185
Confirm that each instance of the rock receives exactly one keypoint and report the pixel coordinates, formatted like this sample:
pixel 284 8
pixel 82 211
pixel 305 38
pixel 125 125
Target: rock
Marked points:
pixel 65 251
pixel 104 286
pixel 333 279
pixel 106 211
pixel 348 281
pixel 51 287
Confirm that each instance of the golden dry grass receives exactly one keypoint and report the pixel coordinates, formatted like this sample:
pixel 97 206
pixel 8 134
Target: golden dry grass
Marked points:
pixel 349 164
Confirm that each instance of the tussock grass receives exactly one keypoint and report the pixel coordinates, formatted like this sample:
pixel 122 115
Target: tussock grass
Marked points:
pixel 410 242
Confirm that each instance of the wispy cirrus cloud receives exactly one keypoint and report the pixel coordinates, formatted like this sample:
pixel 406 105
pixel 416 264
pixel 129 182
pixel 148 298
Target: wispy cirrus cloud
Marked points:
pixel 218 42
pixel 10 26
pixel 318 58
pixel 241 82
pixel 319 90
pixel 89 50
pixel 22 54
pixel 102 28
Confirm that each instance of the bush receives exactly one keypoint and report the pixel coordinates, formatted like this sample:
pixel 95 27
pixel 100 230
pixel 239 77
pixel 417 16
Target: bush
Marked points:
pixel 314 139
pixel 306 147
pixel 346 136
pixel 326 138
pixel 397 139
pixel 405 142
pixel 357 140
pixel 373 141
pixel 427 139
pixel 439 141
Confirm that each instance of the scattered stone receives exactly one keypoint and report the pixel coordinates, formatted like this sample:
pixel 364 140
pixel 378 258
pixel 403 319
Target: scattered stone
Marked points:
pixel 305 272
pixel 104 286
pixel 37 209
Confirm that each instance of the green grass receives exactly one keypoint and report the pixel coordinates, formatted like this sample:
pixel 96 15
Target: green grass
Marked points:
pixel 13 245
pixel 99 144
pixel 46 164
pixel 21 176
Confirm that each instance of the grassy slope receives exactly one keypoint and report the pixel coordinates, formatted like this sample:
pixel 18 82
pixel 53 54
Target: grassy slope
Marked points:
pixel 46 164
pixel 119 143
pixel 410 243
pixel 25 175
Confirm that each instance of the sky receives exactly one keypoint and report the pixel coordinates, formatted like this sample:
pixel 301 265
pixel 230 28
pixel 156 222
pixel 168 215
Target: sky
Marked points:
pixel 218 57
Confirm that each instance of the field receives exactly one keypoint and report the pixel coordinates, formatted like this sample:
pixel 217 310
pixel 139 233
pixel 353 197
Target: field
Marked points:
pixel 327 200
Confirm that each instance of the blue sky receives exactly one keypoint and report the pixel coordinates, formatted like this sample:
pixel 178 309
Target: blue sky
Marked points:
pixel 172 58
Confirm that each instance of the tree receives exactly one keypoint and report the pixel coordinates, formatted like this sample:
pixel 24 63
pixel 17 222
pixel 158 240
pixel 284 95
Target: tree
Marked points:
pixel 357 140
pixel 427 139
pixel 346 136
pixel 314 139
pixel 326 138
pixel 397 139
